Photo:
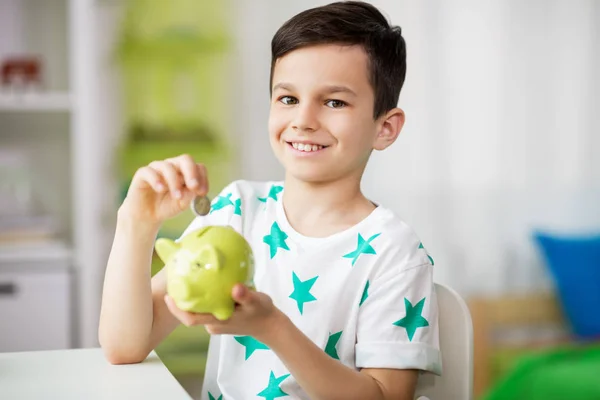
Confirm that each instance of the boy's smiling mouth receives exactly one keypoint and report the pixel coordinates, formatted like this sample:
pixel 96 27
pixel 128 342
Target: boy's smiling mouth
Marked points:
pixel 305 147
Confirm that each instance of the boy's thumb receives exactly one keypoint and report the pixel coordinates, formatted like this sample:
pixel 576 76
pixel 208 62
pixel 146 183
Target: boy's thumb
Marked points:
pixel 240 294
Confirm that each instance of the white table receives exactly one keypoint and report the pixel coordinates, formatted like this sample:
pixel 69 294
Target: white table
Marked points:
pixel 84 374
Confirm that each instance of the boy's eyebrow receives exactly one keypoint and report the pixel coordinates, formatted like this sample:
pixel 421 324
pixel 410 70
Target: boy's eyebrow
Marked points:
pixel 339 89
pixel 284 86
pixel 327 89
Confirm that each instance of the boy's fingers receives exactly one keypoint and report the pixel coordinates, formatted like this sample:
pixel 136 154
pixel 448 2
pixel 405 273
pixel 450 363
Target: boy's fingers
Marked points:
pixel 238 293
pixel 152 178
pixel 171 176
pixel 188 318
pixel 193 176
pixel 179 314
pixel 242 295
pixel 205 319
pixel 203 179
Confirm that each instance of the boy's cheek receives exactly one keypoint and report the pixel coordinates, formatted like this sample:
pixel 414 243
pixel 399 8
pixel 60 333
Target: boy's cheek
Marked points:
pixel 276 126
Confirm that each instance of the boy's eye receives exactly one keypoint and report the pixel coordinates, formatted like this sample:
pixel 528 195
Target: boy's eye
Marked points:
pixel 288 100
pixel 336 103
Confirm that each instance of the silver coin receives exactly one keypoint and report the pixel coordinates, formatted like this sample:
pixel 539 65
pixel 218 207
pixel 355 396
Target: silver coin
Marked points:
pixel 201 205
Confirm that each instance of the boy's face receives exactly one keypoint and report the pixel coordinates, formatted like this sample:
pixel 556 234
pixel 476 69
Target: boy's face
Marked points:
pixel 321 124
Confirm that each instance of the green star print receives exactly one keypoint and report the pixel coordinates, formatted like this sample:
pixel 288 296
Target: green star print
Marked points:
pixel 273 192
pixel 301 291
pixel 238 207
pixel 413 319
pixel 364 295
pixel 221 202
pixel 331 343
pixel 430 259
pixel 211 397
pixel 276 239
pixel 250 344
pixel 273 390
pixel 363 247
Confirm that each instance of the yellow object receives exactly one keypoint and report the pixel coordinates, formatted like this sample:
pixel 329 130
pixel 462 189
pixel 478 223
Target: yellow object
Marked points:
pixel 203 268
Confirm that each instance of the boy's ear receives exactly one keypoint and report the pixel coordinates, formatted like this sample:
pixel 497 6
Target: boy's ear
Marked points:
pixel 390 125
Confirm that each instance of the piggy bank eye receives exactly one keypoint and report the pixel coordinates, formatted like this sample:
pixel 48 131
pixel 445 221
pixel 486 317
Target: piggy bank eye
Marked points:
pixel 197 265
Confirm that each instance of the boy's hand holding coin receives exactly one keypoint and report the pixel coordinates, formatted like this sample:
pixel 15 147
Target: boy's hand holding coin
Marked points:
pixel 163 189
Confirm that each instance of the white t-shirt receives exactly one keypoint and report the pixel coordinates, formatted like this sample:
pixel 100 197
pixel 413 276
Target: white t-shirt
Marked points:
pixel 364 295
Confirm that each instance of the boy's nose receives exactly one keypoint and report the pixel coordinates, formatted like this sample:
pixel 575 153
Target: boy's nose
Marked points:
pixel 306 119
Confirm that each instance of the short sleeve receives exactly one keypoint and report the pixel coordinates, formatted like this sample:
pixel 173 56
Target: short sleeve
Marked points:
pixel 398 322
pixel 227 209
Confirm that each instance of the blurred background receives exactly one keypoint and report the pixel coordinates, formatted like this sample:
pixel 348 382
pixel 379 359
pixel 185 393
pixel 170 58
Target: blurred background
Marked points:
pixel 497 168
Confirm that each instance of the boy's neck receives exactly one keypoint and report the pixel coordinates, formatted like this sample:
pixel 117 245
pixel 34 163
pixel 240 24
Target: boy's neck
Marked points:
pixel 323 209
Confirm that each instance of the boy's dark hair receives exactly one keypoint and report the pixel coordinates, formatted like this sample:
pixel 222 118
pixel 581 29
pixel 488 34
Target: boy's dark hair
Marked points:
pixel 351 23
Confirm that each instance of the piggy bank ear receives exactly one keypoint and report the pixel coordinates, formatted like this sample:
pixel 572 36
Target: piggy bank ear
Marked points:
pixel 209 257
pixel 165 248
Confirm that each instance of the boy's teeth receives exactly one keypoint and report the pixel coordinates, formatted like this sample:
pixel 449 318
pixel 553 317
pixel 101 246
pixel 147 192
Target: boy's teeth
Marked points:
pixel 306 147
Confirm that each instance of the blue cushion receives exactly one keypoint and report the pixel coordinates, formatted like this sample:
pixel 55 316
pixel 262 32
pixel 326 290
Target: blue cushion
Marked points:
pixel 574 262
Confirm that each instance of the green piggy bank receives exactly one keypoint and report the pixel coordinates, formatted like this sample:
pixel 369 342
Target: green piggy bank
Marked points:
pixel 203 268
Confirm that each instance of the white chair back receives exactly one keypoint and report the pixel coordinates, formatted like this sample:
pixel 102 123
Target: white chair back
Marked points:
pixel 456 343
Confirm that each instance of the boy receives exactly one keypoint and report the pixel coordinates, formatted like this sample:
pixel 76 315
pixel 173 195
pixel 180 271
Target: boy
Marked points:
pixel 344 306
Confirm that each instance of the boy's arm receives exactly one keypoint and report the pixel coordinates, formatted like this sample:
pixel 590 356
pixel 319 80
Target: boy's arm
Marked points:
pixel 133 317
pixel 325 378
pixel 388 354
pixel 321 376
